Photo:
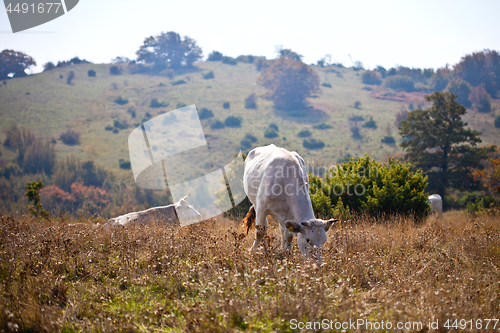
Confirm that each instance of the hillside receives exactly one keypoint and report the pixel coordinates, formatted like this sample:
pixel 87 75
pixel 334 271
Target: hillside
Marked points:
pixel 48 106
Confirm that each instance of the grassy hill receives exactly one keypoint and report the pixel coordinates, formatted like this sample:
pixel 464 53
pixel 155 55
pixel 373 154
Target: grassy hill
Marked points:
pixel 48 106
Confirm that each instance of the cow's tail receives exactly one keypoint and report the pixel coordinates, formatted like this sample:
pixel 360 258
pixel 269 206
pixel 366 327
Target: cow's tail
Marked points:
pixel 249 219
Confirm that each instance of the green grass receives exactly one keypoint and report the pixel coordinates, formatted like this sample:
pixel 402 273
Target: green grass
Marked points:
pixel 87 106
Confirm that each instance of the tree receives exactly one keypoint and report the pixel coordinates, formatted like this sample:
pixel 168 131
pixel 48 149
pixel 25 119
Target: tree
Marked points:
pixel 460 88
pixel 437 141
pixel 481 68
pixel 290 82
pixel 12 62
pixel 169 50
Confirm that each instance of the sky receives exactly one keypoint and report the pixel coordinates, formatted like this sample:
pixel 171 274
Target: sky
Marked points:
pixel 387 33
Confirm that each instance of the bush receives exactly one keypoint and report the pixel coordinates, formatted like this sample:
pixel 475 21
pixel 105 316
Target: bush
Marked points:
pixel 147 115
pixel 273 125
pixel 215 56
pixel 209 75
pixel 370 123
pixel 460 88
pixel 205 113
pixel 115 70
pixel 313 144
pixel 49 66
pixel 180 105
pixel 70 137
pixel 271 133
pixel 121 101
pixel 216 124
pixel 226 105
pixel 229 61
pixel 70 77
pixel 399 82
pixel 371 77
pixel 91 73
pixel 176 83
pixel 155 104
pixel 326 84
pixel 245 144
pixel 132 114
pixel 304 134
pixel 251 102
pixel 481 101
pixel 232 121
pixel 115 130
pixel 357 104
pixel 365 186
pixel 108 128
pixel 322 126
pixel 388 140
pixel 118 124
pixel 250 138
pixel 497 121
pixel 124 164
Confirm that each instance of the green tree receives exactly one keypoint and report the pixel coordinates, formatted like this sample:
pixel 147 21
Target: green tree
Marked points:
pixel 437 141
pixel 460 88
pixel 33 194
pixel 290 82
pixel 169 50
pixel 12 62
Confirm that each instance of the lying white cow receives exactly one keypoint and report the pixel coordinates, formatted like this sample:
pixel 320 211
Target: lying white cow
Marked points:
pixel 164 214
pixel 436 204
pixel 276 182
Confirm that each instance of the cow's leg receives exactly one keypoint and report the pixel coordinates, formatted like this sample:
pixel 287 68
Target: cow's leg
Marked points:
pixel 260 226
pixel 286 237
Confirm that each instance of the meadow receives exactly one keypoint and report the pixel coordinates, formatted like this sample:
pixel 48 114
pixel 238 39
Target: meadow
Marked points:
pixel 49 106
pixel 60 276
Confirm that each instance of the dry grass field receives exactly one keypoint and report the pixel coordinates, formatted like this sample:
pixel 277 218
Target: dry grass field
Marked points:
pixel 58 277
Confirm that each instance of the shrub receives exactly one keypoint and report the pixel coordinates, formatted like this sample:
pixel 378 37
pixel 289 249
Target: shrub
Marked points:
pixel 400 116
pixel 460 88
pixel 250 137
pixel 304 134
pixel 180 105
pixel 70 137
pixel 226 105
pixel 124 164
pixel 108 128
pixel 155 104
pixel 245 144
pixel 216 124
pixel 232 121
pixel 313 144
pixel 215 56
pixel 91 73
pixel 326 84
pixel 115 70
pixel 251 102
pixel 147 115
pixel 370 123
pixel 497 121
pixel 121 101
pixel 365 186
pixel 209 75
pixel 115 130
pixel 70 77
pixel 356 134
pixel 134 68
pixel 399 82
pixel 273 125
pixel 229 61
pixel 271 133
pixel 132 114
pixel 480 99
pixel 49 66
pixel 371 77
pixel 205 113
pixel 388 140
pixel 322 126
pixel 357 104
pixel 176 83
pixel 120 125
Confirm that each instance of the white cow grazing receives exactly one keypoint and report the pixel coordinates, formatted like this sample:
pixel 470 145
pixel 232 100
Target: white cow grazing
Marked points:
pixel 276 182
pixel 436 204
pixel 165 214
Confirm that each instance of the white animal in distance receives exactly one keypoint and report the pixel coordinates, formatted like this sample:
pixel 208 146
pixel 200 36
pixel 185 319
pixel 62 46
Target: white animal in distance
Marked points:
pixel 436 203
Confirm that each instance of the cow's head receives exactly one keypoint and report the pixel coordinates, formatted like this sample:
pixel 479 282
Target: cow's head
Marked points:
pixel 185 211
pixel 311 235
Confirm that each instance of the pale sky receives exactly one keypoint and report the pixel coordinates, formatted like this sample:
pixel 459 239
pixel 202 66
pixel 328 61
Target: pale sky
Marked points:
pixel 388 33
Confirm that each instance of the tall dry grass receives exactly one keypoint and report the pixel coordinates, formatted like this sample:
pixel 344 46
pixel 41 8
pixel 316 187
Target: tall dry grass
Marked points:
pixel 201 278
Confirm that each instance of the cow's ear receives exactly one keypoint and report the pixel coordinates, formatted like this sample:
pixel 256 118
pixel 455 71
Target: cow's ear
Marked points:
pixel 329 223
pixel 293 226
